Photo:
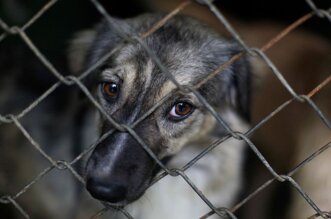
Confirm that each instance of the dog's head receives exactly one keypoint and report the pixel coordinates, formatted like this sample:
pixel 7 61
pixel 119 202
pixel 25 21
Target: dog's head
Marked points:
pixel 129 83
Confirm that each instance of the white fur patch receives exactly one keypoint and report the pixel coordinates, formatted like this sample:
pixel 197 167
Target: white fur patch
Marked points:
pixel 217 175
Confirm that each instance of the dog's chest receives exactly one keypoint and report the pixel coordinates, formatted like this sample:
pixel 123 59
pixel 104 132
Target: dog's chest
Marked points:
pixel 217 175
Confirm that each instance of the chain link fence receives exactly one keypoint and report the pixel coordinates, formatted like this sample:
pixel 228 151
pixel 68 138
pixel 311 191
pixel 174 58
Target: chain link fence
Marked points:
pixel 71 80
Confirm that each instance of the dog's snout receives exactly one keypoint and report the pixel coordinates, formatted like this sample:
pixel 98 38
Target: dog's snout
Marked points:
pixel 106 190
pixel 118 170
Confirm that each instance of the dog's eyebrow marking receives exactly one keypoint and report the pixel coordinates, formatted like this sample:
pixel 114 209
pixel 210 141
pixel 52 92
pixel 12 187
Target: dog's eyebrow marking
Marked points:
pixel 130 74
pixel 110 74
pixel 147 71
pixel 169 86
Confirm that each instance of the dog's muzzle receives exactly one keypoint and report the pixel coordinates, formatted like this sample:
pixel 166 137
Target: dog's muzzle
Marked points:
pixel 119 170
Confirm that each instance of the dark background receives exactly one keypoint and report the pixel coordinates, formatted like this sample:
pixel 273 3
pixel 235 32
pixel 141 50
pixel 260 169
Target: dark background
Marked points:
pixel 53 31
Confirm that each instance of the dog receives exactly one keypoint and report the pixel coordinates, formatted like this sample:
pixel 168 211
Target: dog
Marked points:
pixel 129 83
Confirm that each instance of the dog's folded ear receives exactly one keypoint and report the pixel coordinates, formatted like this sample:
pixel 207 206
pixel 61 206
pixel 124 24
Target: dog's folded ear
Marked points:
pixel 88 46
pixel 233 82
pixel 237 87
pixel 240 87
pixel 78 50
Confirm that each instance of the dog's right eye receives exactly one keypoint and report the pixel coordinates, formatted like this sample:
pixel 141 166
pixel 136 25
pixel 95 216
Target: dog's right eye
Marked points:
pixel 110 89
pixel 180 111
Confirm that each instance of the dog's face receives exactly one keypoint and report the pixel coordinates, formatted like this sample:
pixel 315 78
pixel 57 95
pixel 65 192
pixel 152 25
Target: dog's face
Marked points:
pixel 129 84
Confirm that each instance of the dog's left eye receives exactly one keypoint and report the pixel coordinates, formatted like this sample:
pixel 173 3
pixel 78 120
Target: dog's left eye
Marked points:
pixel 180 110
pixel 110 89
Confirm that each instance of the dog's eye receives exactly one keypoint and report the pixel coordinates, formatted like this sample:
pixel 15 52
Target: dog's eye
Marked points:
pixel 110 89
pixel 180 111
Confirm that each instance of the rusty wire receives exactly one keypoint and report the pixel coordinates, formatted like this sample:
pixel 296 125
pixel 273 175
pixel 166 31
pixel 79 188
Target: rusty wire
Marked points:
pixel 138 38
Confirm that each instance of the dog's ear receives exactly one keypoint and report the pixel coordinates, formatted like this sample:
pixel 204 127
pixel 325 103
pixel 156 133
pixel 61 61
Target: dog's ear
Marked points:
pixel 233 82
pixel 89 46
pixel 78 50
pixel 240 87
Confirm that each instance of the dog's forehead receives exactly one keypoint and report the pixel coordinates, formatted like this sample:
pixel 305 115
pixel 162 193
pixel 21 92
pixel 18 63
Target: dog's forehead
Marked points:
pixel 181 64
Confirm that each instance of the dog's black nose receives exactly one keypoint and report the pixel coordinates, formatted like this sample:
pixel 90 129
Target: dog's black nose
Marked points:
pixel 106 190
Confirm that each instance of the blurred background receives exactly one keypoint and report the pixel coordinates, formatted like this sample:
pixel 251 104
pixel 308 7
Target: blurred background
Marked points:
pixel 303 57
pixel 53 30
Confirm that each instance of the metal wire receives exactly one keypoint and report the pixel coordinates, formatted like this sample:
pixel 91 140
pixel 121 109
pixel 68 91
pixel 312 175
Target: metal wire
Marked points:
pixel 138 38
